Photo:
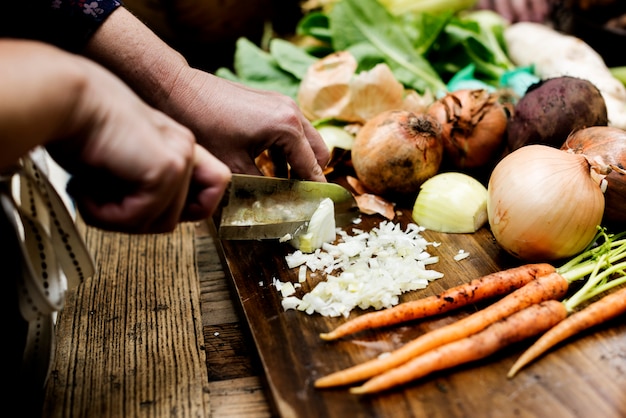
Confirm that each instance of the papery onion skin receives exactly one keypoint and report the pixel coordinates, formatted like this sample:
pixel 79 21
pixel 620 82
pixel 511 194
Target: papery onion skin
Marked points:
pixel 605 148
pixel 332 88
pixel 542 203
pixel 396 151
pixel 474 123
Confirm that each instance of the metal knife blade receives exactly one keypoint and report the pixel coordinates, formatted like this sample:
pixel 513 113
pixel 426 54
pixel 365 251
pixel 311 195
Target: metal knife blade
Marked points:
pixel 260 207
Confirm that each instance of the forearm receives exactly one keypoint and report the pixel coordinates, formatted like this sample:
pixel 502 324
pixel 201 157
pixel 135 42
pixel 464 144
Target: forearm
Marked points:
pixel 40 87
pixel 131 50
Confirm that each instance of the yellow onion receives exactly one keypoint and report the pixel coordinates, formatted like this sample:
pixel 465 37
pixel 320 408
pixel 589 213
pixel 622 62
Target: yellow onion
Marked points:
pixel 473 125
pixel 396 151
pixel 543 203
pixel 605 148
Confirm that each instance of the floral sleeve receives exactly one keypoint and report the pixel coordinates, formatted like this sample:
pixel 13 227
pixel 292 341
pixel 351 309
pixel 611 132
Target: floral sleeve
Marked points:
pixel 91 10
pixel 65 23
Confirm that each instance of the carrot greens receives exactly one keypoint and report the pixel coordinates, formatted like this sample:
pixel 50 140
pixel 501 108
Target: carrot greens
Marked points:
pixel 603 280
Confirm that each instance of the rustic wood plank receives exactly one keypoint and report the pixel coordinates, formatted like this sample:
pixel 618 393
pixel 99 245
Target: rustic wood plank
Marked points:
pixel 242 397
pixel 232 362
pixel 130 339
pixel 215 293
pixel 229 353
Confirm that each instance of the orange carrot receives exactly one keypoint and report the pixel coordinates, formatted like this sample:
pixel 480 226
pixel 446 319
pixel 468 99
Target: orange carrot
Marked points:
pixel 523 324
pixel 610 306
pixel 551 286
pixel 486 287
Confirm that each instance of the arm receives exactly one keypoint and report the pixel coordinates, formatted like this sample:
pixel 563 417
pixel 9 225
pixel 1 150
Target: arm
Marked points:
pixel 234 122
pixel 34 109
pixel 132 166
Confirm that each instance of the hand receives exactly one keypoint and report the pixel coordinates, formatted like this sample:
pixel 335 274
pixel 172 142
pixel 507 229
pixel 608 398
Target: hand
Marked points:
pixel 232 121
pixel 133 168
pixel 236 123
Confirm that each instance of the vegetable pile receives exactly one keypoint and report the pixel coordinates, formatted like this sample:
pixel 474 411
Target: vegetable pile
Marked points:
pixel 470 122
pixel 354 61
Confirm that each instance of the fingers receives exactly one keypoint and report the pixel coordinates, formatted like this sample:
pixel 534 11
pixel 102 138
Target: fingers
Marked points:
pixel 150 204
pixel 307 154
pixel 319 147
pixel 209 180
pixel 301 144
pixel 136 178
pixel 250 122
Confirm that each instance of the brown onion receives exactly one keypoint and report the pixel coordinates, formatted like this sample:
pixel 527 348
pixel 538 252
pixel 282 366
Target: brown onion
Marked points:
pixel 605 148
pixel 473 126
pixel 396 151
pixel 543 203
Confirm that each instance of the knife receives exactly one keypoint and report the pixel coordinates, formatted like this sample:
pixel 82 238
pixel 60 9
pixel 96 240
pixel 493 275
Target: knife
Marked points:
pixel 261 207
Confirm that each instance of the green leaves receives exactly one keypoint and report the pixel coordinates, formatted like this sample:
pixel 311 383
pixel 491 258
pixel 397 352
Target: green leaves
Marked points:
pixel 280 69
pixel 366 21
pixel 475 39
pixel 424 50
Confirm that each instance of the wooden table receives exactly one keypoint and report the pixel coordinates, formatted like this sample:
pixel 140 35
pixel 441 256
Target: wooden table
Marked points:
pixel 164 330
pixel 154 334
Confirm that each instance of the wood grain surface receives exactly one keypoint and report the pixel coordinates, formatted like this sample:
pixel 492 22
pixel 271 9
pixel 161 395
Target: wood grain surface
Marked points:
pixel 129 340
pixel 154 334
pixel 583 378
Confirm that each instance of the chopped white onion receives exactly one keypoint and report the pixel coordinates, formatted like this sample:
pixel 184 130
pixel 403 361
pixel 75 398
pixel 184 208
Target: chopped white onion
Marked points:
pixel 365 270
pixel 321 228
pixel 461 255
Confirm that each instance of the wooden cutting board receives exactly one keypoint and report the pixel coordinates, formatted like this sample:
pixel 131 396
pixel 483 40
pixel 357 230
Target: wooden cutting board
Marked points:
pixel 585 377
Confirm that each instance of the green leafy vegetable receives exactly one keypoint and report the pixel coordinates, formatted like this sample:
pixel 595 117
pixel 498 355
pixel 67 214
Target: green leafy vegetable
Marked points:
pixel 316 25
pixel 436 51
pixel 291 58
pixel 399 7
pixel 281 70
pixel 356 21
pixel 475 38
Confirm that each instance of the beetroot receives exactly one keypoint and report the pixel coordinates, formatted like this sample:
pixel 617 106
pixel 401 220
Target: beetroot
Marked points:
pixel 552 109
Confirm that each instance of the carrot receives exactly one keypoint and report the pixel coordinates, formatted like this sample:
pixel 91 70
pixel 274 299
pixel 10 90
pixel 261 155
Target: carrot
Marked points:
pixel 521 325
pixel 610 306
pixel 551 286
pixel 489 286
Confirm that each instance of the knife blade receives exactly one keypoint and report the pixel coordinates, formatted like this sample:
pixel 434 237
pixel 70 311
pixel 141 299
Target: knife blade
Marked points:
pixel 261 207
